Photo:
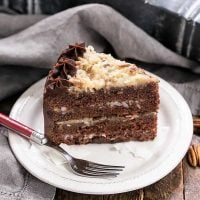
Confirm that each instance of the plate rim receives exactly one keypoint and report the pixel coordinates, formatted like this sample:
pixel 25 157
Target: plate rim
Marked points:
pixel 16 107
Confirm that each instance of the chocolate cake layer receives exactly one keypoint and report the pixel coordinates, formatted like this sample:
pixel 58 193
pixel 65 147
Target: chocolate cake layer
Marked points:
pixel 140 99
pixel 113 129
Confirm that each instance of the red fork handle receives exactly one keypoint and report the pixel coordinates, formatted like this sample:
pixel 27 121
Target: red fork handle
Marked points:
pixel 22 129
pixel 15 126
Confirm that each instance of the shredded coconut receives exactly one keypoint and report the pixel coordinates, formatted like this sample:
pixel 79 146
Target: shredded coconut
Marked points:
pixel 99 70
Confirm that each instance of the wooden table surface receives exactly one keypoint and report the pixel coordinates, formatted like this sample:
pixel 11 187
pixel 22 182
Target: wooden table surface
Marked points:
pixel 183 183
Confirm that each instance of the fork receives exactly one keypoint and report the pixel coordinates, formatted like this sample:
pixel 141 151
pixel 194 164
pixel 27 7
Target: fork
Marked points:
pixel 78 166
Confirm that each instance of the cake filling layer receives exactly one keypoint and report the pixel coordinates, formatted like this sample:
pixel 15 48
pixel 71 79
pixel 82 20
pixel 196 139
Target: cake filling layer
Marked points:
pixel 112 104
pixel 93 121
pixel 90 136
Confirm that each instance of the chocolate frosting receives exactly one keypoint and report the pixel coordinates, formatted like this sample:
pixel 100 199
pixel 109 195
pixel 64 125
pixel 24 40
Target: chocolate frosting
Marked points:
pixel 65 66
pixel 73 52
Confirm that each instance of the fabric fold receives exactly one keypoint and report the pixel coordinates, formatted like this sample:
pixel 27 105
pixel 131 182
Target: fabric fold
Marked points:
pixel 40 44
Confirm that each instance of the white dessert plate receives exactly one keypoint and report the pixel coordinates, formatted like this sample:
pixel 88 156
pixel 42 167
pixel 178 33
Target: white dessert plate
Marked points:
pixel 145 162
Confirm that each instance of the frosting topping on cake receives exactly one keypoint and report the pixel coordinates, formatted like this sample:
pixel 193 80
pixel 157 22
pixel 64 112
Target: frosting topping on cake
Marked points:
pixel 99 70
pixel 81 68
pixel 73 52
pixel 65 66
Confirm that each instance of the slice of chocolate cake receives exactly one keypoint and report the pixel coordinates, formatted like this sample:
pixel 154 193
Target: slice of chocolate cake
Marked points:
pixel 92 97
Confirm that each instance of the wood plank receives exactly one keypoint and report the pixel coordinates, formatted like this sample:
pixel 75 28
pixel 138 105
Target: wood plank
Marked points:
pixel 65 195
pixel 170 187
pixel 191 177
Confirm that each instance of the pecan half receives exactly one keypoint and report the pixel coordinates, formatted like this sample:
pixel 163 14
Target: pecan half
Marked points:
pixel 194 155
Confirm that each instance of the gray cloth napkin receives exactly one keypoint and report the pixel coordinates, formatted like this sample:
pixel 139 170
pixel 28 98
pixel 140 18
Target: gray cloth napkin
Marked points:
pixel 15 182
pixel 37 46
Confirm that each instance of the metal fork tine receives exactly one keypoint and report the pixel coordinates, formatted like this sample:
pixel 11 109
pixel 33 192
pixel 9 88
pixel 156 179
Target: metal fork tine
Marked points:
pixel 94 175
pixel 97 165
pixel 104 169
pixel 99 173
pixel 87 168
pixel 95 170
